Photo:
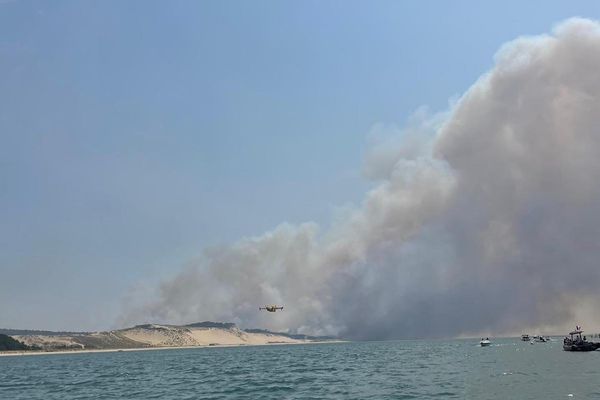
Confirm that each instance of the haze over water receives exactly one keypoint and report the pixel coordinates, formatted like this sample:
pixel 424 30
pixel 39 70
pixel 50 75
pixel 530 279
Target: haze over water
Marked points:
pixel 510 369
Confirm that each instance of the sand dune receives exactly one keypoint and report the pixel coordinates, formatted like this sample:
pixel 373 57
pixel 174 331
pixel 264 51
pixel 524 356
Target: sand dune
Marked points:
pixel 159 336
pixel 50 342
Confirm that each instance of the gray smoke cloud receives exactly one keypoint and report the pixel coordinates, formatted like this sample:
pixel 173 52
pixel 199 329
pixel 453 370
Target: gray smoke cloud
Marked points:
pixel 485 218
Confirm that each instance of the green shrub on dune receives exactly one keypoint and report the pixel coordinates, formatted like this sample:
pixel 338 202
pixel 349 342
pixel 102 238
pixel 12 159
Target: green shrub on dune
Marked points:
pixel 8 343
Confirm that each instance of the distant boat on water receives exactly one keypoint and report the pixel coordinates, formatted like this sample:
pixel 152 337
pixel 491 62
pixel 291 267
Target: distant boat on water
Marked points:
pixel 485 342
pixel 525 337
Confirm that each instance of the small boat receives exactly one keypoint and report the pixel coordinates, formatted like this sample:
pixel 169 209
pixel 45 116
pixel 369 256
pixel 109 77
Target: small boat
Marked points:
pixel 525 338
pixel 485 342
pixel 540 339
pixel 577 342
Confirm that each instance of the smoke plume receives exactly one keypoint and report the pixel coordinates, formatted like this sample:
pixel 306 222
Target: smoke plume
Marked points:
pixel 485 218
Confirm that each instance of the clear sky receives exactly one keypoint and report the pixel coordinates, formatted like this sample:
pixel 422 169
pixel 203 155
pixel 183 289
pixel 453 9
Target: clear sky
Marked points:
pixel 133 134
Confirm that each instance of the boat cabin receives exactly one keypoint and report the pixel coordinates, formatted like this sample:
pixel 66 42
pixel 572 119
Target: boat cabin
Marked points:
pixel 577 342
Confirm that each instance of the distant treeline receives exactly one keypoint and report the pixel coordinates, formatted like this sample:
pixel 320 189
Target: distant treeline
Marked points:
pixel 210 324
pixel 291 335
pixel 30 332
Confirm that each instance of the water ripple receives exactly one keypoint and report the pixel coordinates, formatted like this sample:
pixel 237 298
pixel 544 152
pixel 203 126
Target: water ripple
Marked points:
pixel 375 370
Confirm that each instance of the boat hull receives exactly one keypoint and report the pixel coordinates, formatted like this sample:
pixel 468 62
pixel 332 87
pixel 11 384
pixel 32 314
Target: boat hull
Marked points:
pixel 581 347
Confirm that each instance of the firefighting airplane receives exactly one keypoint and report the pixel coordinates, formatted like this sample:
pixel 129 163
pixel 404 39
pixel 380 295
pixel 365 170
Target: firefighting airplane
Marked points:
pixel 271 308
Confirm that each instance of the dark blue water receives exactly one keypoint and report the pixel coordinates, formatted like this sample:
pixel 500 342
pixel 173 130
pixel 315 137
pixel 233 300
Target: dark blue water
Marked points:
pixel 510 369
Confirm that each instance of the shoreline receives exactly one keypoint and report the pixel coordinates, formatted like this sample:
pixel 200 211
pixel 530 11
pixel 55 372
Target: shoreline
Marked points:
pixel 87 351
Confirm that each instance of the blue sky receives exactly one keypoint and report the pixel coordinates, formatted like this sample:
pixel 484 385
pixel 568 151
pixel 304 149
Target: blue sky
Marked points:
pixel 136 133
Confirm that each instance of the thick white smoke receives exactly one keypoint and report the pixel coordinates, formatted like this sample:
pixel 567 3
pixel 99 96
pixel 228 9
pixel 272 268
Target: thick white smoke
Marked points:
pixel 486 218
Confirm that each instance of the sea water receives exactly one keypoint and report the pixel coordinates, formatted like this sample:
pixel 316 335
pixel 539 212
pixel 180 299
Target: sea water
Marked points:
pixel 509 369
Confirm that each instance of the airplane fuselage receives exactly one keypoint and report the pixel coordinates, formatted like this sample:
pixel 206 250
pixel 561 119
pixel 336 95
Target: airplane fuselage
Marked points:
pixel 270 308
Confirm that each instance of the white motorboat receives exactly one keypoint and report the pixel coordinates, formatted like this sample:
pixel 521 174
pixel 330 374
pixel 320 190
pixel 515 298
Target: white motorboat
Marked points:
pixel 485 342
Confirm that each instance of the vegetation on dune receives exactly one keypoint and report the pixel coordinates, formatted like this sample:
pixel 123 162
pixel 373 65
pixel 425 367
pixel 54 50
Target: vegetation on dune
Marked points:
pixel 8 343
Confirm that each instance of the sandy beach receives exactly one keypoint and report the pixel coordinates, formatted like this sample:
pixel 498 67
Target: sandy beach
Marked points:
pixel 51 352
